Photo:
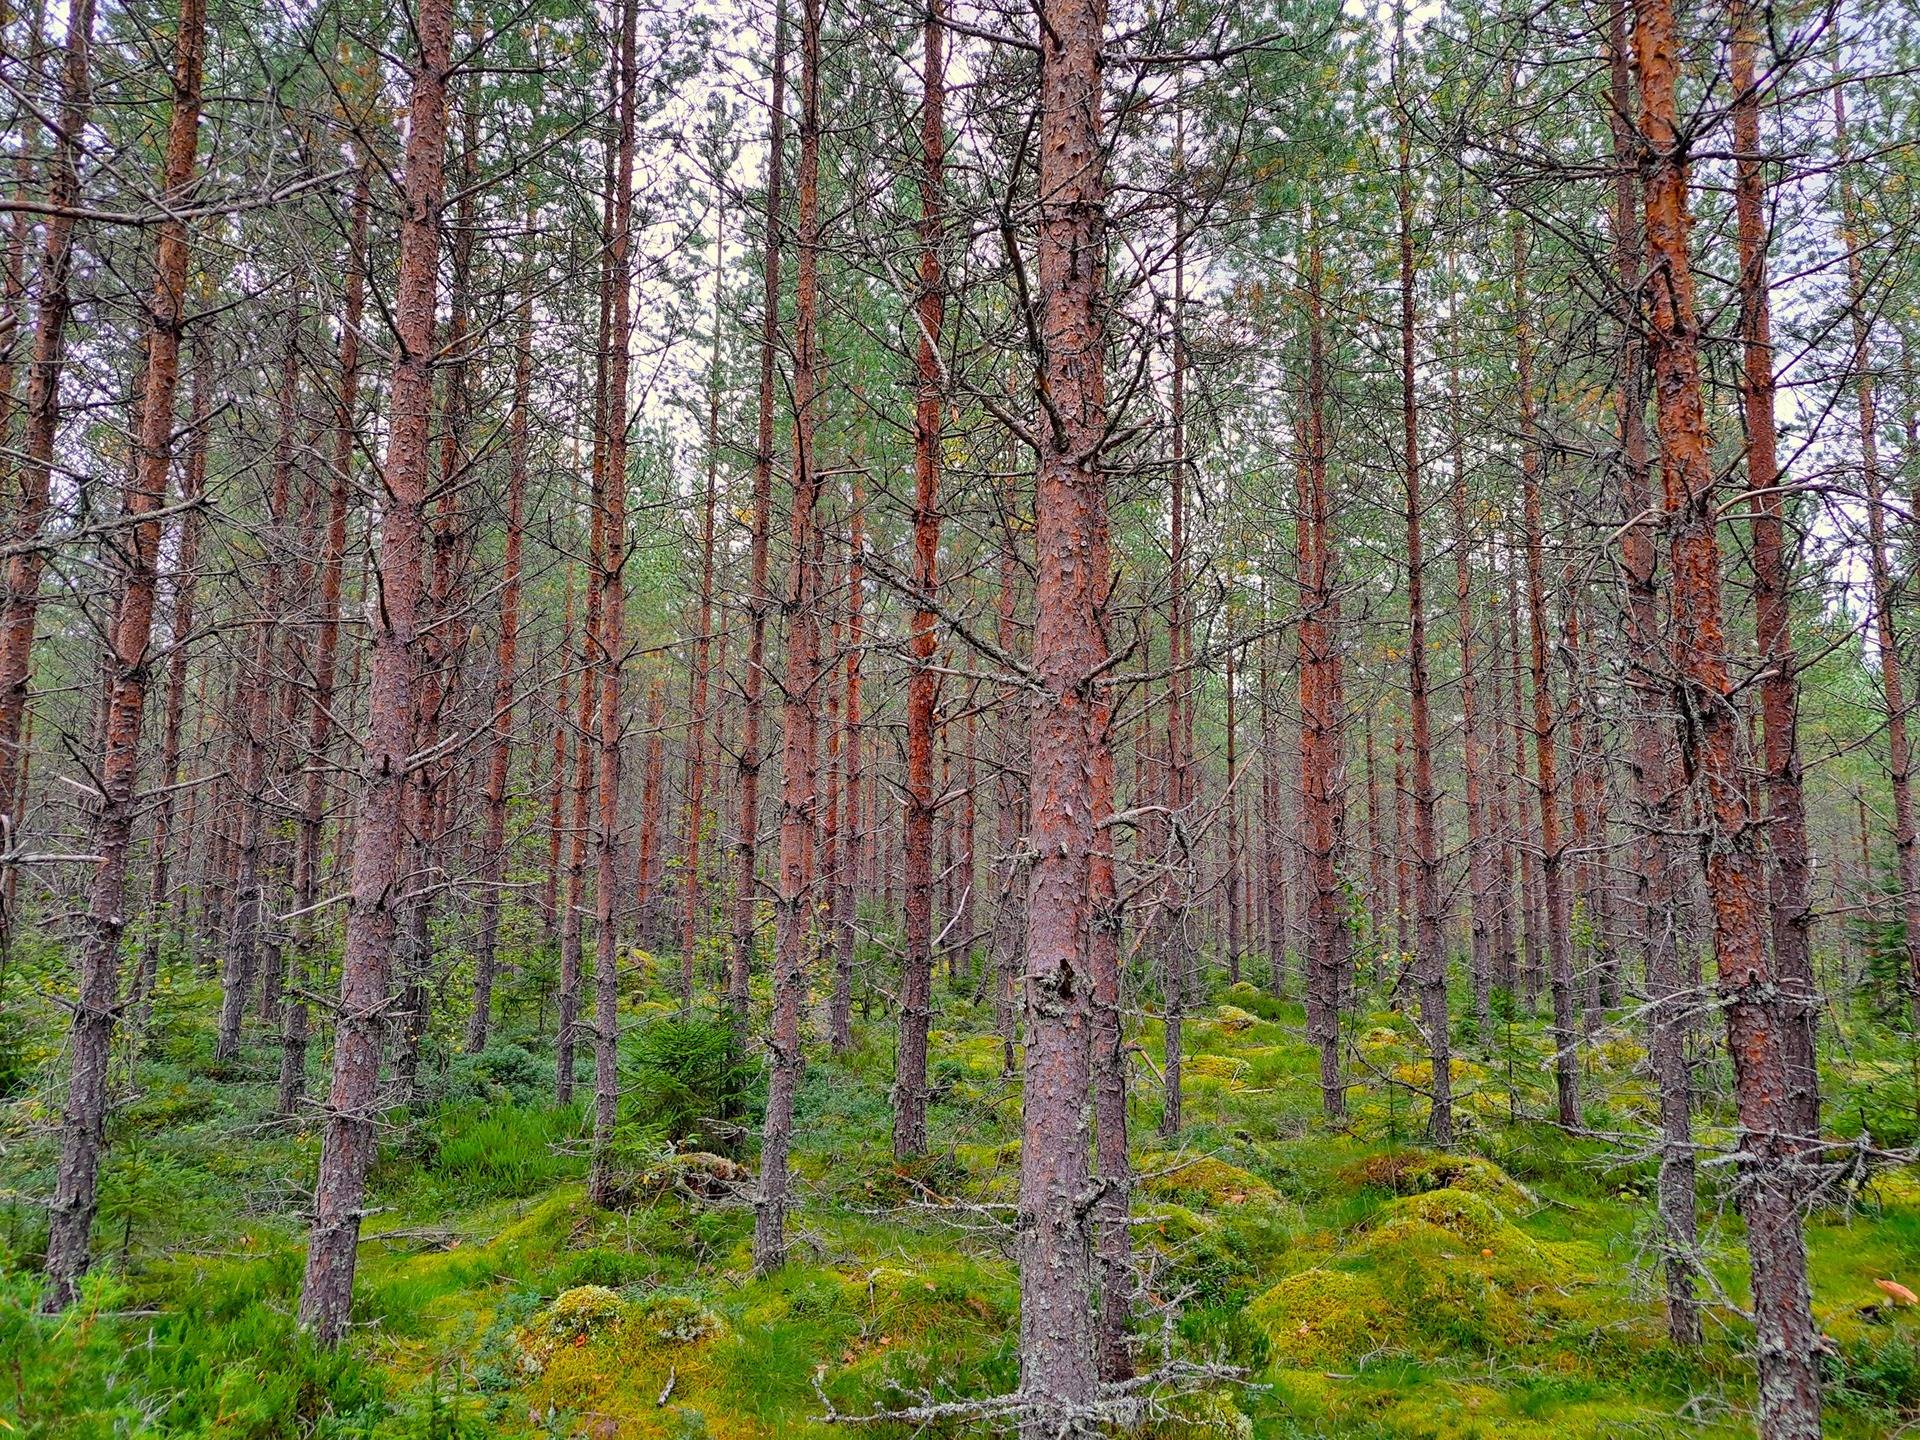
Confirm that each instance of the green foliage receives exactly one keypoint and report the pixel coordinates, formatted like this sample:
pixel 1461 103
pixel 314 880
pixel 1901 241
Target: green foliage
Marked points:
pixel 488 1151
pixel 687 1082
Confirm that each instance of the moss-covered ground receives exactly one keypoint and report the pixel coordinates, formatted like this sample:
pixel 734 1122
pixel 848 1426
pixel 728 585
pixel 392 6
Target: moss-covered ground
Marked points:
pixel 1366 1286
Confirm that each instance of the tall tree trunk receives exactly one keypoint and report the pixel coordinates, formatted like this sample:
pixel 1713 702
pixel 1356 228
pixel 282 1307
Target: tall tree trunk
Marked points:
pixel 690 879
pixel 96 1008
pixel 348 1145
pixel 1553 897
pixel 326 653
pixel 1899 748
pixel 557 781
pixel 254 716
pixel 1480 887
pixel 1320 789
pixel 846 920
pixel 493 861
pixel 186 581
pixel 1430 950
pixel 1789 1388
pixel 759 597
pixel 611 503
pixel 793 909
pixel 585 748
pixel 910 1068
pixel 1176 859
pixel 1009 820
pixel 1070 649
pixel 20 604
pixel 1657 784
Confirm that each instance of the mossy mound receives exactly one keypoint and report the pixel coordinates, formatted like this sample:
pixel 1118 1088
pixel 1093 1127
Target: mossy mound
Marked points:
pixel 1232 1020
pixel 1438 1272
pixel 1415 1172
pixel 583 1310
pixel 1419 1073
pixel 1468 1219
pixel 675 1320
pixel 1166 1224
pixel 1217 1067
pixel 1321 1317
pixel 1218 1182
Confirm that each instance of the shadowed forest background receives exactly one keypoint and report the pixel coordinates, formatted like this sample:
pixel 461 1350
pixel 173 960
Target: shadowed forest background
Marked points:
pixel 1064 719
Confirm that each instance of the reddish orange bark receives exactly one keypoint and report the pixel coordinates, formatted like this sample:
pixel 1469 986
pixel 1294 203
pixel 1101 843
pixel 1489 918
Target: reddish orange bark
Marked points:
pixel 1714 747
pixel 759 597
pixel 910 1068
pixel 1070 648
pixel 348 1145
pixel 793 896
pixel 83 1121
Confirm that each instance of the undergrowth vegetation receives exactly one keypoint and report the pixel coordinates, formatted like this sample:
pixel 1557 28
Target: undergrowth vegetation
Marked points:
pixel 1362 1285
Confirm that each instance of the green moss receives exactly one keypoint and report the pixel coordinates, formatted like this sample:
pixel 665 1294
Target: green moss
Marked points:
pixel 1215 1181
pixel 1322 1317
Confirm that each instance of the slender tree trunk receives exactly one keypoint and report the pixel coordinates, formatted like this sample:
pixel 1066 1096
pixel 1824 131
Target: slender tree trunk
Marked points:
pixel 20 604
pixel 612 505
pixel 846 919
pixel 690 879
pixel 557 782
pixel 584 745
pixel 1320 789
pixel 1429 938
pixel 1009 818
pixel 1789 1388
pixel 493 861
pixel 1480 886
pixel 1566 1074
pixel 348 1145
pixel 1906 841
pixel 1176 859
pixel 910 1068
pixel 186 581
pixel 295 1037
pixel 254 716
pixel 759 597
pixel 96 1008
pixel 793 908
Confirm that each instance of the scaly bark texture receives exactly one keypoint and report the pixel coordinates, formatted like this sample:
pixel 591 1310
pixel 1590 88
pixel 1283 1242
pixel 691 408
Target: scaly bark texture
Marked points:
pixel 96 1005
pixel 1056 1345
pixel 1713 742
pixel 1656 782
pixel 347 1147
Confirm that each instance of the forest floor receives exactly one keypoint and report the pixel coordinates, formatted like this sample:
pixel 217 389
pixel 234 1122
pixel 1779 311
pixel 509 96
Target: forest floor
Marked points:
pixel 1366 1286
